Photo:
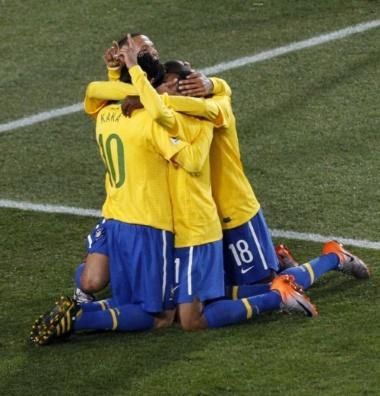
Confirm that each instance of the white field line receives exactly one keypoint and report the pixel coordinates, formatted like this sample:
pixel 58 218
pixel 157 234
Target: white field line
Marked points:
pixel 262 56
pixel 44 116
pixel 306 236
pixel 96 213
pixel 46 208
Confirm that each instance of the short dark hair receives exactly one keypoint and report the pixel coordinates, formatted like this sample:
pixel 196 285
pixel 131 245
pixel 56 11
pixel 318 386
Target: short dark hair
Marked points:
pixel 151 66
pixel 177 67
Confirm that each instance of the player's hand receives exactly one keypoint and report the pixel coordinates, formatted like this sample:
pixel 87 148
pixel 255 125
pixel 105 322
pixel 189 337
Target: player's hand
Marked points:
pixel 195 84
pixel 130 104
pixel 128 53
pixel 111 56
pixel 170 87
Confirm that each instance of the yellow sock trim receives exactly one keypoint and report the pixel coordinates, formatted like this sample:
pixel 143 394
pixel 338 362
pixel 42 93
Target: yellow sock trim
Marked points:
pixel 114 319
pixel 68 321
pixel 63 327
pixel 235 290
pixel 247 307
pixel 310 271
pixel 103 305
pixel 58 330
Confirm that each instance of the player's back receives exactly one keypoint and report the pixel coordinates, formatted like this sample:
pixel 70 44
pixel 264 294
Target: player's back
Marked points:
pixel 232 191
pixel 137 172
pixel 196 219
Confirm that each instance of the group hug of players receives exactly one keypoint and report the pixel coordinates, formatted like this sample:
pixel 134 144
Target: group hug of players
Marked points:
pixel 183 235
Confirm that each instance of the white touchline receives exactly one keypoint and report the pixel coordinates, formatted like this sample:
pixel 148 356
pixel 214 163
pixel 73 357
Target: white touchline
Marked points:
pixel 307 236
pixel 246 60
pixel 59 209
pixel 262 56
pixel 44 116
pixel 46 208
pixel 286 49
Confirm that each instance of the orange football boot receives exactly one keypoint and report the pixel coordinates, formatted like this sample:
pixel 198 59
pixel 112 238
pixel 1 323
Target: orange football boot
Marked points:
pixel 348 263
pixel 292 295
pixel 285 257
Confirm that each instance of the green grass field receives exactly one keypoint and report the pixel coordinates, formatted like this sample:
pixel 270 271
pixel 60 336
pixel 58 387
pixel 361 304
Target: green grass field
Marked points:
pixel 309 132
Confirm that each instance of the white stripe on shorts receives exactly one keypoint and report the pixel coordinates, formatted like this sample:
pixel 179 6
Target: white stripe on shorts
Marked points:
pixel 258 245
pixel 165 264
pixel 189 287
pixel 89 241
pixel 177 264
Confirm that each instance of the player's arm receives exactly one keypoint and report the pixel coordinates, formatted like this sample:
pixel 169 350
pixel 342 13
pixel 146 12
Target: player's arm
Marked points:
pixel 189 156
pixel 113 73
pixel 166 145
pixel 198 84
pixel 98 93
pixel 112 62
pixel 193 156
pixel 149 98
pixel 212 109
pixel 93 104
pixel 220 87
pixel 197 107
pixel 215 109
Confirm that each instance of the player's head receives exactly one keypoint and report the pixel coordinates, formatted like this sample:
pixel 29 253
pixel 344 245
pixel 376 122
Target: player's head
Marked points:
pixel 176 69
pixel 147 59
pixel 143 44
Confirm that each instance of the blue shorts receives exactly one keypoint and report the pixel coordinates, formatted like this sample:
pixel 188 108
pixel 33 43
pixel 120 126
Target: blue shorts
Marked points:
pixel 96 241
pixel 248 251
pixel 141 265
pixel 198 273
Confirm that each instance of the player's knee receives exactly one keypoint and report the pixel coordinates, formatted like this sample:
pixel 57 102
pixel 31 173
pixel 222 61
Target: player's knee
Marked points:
pixel 162 323
pixel 192 324
pixel 92 283
pixel 164 320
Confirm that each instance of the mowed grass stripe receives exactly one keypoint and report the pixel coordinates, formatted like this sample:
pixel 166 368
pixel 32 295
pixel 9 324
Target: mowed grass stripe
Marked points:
pixel 311 237
pixel 246 60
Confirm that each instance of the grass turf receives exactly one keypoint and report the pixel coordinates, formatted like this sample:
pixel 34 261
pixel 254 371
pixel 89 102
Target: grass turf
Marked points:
pixel 275 353
pixel 308 125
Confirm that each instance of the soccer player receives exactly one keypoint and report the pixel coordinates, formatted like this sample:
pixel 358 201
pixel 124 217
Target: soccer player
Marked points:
pixel 199 269
pixel 137 238
pixel 248 249
pixel 138 227
pixel 249 256
pixel 92 275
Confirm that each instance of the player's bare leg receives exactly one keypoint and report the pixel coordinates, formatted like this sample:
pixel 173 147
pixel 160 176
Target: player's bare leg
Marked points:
pixel 191 316
pixel 164 319
pixel 95 276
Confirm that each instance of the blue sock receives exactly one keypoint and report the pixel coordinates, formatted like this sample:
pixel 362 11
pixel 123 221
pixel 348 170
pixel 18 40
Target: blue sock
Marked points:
pixel 306 274
pixel 93 306
pixel 78 274
pixel 236 292
pixel 94 320
pixel 134 318
pixel 227 312
pixel 127 317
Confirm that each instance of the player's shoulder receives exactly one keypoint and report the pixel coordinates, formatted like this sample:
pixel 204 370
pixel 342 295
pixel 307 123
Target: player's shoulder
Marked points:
pixel 109 114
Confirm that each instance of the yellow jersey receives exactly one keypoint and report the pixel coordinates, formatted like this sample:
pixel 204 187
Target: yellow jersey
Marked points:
pixel 196 218
pixel 136 152
pixel 99 93
pixel 232 192
pixel 195 215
